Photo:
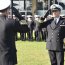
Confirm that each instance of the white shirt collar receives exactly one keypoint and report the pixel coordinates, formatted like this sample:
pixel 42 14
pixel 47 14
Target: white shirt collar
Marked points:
pixel 57 19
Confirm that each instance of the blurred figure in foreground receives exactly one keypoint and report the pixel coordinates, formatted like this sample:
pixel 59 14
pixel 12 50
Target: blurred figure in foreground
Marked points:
pixel 8 28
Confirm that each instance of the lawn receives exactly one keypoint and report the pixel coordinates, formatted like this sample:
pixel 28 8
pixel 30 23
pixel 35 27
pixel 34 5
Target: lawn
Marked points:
pixel 32 53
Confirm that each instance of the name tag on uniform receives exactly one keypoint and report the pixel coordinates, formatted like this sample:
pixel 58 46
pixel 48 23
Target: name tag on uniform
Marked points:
pixel 63 24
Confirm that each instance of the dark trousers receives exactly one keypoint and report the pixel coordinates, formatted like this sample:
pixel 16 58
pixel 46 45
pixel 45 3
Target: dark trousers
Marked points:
pixel 37 35
pixel 56 57
pixel 23 36
pixel 30 35
pixel 6 58
pixel 43 33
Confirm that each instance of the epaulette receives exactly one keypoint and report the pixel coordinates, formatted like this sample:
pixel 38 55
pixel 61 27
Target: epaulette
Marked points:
pixel 62 18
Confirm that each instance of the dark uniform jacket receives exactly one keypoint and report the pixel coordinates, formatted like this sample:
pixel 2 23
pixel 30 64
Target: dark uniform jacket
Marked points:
pixel 55 35
pixel 8 27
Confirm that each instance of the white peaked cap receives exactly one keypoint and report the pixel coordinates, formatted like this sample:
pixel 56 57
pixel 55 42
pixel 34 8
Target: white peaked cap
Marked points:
pixel 29 16
pixel 4 4
pixel 36 16
pixel 56 6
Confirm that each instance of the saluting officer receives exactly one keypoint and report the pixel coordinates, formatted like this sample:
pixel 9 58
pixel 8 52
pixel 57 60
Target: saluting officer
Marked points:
pixel 8 28
pixel 56 33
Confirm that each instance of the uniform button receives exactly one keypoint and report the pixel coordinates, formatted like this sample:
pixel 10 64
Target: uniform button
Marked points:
pixel 52 33
pixel 58 34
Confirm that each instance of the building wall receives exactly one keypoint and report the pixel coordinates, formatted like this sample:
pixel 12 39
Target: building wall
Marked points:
pixel 38 6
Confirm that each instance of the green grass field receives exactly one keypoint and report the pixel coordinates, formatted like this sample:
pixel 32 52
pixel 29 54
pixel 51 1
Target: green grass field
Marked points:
pixel 32 53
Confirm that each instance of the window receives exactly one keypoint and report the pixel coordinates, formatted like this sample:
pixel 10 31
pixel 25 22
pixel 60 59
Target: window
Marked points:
pixel 29 4
pixel 18 4
pixel 42 5
pixel 23 6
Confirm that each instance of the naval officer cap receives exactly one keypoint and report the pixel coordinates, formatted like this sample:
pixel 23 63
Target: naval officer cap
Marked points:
pixel 55 7
pixel 4 4
pixel 36 16
pixel 29 16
